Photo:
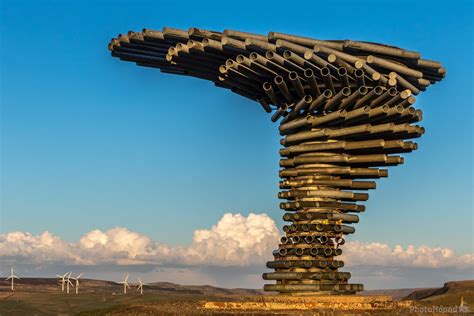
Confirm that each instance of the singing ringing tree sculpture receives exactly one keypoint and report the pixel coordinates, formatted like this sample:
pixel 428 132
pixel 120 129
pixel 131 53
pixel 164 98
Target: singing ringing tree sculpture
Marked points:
pixel 345 110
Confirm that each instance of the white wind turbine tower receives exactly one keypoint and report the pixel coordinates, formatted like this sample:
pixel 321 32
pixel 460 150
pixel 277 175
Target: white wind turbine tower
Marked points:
pixel 68 282
pixel 125 284
pixel 77 282
pixel 140 286
pixel 12 276
pixel 63 280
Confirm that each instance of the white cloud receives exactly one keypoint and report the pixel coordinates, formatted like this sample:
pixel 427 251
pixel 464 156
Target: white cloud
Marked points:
pixel 235 240
pixel 379 254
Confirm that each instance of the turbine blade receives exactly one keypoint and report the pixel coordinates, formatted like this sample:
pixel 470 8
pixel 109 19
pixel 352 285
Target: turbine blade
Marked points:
pixel 79 275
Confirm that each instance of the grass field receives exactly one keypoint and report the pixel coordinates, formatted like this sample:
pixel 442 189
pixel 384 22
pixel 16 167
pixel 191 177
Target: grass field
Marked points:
pixel 44 297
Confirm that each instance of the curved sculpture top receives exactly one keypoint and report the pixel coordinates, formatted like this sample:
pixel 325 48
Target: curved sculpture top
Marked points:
pixel 345 107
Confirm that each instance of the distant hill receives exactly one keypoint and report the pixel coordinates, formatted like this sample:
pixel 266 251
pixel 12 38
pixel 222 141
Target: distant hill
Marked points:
pixel 449 288
pixel 396 294
pixel 200 289
pixel 90 285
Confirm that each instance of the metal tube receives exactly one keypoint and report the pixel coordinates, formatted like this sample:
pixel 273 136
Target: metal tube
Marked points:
pixel 360 76
pixel 349 101
pixel 305 41
pixel 319 101
pixel 394 67
pixel 326 74
pixel 313 85
pixel 296 82
pixel 343 93
pixel 380 49
pixel 283 87
pixel 244 35
pixel 342 72
pixel 279 113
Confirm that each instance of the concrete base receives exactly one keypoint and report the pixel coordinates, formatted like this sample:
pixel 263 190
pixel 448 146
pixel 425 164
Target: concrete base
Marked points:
pixel 320 302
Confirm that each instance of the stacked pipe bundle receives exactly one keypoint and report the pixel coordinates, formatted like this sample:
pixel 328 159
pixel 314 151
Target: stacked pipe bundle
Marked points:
pixel 346 111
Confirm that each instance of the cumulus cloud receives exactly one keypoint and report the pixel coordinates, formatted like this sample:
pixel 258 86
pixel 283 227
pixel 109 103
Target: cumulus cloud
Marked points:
pixel 379 254
pixel 235 240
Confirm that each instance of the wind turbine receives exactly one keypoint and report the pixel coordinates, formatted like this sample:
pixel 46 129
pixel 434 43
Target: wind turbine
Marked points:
pixel 77 282
pixel 12 276
pixel 140 286
pixel 63 280
pixel 68 282
pixel 125 284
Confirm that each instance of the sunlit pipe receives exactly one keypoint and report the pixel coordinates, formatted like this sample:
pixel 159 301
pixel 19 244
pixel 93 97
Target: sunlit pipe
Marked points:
pixel 346 171
pixel 332 117
pixel 327 133
pixel 197 33
pixel 380 49
pixel 173 33
pixel 233 43
pixel 394 67
pixel 342 206
pixel 333 59
pixel 340 183
pixel 299 60
pixel 282 276
pixel 256 44
pixel 311 56
pixel 283 62
pixel 294 124
pixel 305 41
pixel 244 35
pixel 392 114
pixel 327 50
pixel 345 218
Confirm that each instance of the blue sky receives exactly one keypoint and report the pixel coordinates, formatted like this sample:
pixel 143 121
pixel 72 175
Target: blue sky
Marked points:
pixel 91 142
